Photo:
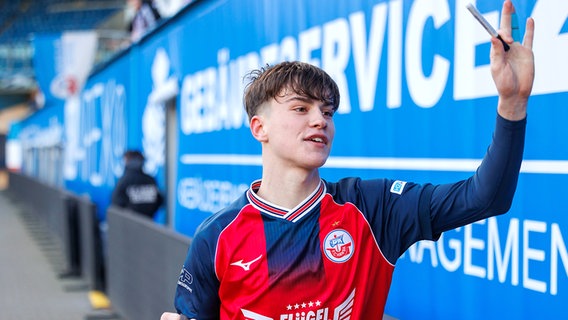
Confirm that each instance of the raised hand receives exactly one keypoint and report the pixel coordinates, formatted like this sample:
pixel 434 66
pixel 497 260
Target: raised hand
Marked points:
pixel 513 70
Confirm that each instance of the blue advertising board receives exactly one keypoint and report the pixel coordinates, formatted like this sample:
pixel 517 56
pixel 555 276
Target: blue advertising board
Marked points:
pixel 97 133
pixel 37 135
pixel 417 103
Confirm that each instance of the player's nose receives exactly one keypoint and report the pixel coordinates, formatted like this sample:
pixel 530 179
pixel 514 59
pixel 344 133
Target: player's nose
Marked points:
pixel 317 119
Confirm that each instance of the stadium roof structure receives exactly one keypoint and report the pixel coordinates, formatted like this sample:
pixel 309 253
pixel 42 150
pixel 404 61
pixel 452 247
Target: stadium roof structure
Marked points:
pixel 20 19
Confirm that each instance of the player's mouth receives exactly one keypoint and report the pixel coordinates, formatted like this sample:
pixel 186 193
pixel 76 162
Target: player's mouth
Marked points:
pixel 318 139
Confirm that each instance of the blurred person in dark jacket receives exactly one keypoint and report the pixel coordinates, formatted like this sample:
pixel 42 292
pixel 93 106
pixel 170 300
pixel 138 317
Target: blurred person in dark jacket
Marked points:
pixel 137 190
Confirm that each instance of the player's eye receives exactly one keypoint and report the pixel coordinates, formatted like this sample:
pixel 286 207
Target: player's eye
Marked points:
pixel 328 112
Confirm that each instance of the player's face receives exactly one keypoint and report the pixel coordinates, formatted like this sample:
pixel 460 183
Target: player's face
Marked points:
pixel 300 130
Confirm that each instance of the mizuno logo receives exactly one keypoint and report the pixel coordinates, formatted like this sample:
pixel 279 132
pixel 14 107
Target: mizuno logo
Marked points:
pixel 245 265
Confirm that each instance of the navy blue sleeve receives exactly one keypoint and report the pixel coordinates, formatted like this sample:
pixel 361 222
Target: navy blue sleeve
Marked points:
pixel 490 190
pixel 197 290
pixel 197 293
pixel 401 213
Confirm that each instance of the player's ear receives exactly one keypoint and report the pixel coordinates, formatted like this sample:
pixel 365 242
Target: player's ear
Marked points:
pixel 257 128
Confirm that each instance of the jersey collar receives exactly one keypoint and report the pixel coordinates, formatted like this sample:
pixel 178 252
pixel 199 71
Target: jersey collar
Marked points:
pixel 293 214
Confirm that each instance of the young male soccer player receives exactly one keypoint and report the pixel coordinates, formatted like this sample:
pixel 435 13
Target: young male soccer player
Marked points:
pixel 295 246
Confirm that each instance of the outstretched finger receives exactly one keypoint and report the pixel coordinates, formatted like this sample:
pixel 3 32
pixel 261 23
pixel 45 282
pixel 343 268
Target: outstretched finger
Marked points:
pixel 505 27
pixel 529 34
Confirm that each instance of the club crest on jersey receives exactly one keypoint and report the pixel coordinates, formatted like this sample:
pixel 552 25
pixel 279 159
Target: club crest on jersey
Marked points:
pixel 338 246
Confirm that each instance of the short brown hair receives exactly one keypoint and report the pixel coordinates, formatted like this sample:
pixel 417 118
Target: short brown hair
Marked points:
pixel 302 78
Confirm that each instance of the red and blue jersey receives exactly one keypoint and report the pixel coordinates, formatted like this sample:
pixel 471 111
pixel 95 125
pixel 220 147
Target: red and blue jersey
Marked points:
pixel 333 256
